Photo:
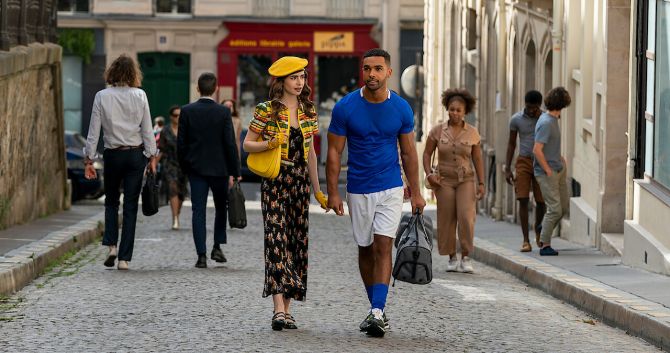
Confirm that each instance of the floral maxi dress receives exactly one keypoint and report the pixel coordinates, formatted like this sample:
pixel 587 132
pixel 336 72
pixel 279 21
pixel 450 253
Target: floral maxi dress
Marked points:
pixel 285 204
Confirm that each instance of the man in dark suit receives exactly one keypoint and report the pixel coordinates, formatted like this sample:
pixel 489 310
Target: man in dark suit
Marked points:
pixel 208 155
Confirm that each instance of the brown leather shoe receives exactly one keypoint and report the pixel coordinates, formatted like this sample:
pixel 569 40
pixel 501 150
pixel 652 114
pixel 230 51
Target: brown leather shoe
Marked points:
pixel 526 247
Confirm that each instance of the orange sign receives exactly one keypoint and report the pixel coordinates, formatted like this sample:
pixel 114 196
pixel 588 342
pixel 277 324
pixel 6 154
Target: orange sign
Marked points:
pixel 339 42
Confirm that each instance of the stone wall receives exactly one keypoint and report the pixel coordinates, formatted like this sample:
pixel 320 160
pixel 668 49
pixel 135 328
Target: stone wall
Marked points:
pixel 32 153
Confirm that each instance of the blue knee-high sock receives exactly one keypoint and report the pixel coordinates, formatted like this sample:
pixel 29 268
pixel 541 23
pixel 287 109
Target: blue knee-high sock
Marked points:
pixel 379 293
pixel 368 289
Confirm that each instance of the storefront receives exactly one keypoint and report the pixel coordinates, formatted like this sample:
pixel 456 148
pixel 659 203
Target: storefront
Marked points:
pixel 333 51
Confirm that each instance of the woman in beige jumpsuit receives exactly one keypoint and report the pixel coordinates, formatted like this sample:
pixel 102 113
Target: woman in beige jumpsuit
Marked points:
pixel 458 178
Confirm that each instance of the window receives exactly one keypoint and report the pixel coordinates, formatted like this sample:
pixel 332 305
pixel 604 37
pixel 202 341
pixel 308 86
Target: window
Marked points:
pixel 654 112
pixel 271 8
pixel 345 8
pixel 661 156
pixel 73 6
pixel 173 6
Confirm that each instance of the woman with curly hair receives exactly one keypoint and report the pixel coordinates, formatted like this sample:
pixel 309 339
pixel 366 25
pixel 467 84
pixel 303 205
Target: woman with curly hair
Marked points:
pixel 287 121
pixel 457 179
pixel 121 111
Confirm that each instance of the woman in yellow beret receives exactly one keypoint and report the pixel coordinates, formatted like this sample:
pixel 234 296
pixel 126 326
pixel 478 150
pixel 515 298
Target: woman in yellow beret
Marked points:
pixel 287 121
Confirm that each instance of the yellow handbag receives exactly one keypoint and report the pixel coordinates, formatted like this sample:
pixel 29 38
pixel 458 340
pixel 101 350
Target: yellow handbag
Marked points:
pixel 266 163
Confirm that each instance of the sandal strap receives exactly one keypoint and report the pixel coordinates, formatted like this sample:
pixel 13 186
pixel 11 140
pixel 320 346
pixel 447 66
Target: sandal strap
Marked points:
pixel 289 317
pixel 277 315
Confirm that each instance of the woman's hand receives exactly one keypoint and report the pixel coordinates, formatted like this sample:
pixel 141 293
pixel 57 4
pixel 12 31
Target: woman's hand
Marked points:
pixel 434 181
pixel 279 140
pixel 322 199
pixel 481 191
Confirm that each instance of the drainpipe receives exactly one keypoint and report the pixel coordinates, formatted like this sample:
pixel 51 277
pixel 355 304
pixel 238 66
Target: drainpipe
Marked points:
pixel 557 42
pixel 500 127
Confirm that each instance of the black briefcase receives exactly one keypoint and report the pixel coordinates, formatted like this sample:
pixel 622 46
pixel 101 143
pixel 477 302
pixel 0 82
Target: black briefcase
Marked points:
pixel 150 193
pixel 237 213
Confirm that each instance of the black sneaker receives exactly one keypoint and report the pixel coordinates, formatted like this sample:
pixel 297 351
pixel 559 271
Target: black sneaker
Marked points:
pixel 365 324
pixel 377 327
pixel 548 251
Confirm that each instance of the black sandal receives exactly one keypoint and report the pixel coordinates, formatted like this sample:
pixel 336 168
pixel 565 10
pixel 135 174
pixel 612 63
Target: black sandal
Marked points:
pixel 278 321
pixel 289 323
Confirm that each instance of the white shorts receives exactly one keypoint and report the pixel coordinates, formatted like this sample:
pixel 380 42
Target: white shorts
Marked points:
pixel 375 213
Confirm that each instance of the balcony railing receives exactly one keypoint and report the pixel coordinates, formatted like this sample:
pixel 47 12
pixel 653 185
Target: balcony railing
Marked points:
pixel 271 8
pixel 27 21
pixel 172 7
pixel 345 8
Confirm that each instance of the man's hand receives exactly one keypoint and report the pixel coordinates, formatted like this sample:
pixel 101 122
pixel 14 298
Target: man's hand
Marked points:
pixel 231 182
pixel 153 164
pixel 509 176
pixel 549 172
pixel 89 172
pixel 417 201
pixel 335 203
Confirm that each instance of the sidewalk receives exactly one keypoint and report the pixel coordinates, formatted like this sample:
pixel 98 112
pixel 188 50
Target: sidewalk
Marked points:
pixel 631 299
pixel 26 250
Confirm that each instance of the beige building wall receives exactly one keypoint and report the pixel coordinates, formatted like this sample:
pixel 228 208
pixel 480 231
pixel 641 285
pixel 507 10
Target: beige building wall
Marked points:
pixel 132 26
pixel 522 45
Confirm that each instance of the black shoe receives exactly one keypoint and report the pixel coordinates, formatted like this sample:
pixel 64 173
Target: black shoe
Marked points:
pixel 365 324
pixel 202 261
pixel 289 322
pixel 548 251
pixel 278 321
pixel 377 327
pixel 217 255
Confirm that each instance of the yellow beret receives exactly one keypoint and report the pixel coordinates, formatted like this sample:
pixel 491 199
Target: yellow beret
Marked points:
pixel 286 66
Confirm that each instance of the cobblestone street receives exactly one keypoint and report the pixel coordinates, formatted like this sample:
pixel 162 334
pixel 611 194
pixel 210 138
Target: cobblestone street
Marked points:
pixel 165 304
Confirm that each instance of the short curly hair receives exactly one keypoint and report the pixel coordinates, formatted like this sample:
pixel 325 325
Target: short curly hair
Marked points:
pixel 123 71
pixel 460 94
pixel 557 99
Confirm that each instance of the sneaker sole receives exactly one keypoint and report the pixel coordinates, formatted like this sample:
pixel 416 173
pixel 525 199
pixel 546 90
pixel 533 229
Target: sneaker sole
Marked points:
pixel 110 261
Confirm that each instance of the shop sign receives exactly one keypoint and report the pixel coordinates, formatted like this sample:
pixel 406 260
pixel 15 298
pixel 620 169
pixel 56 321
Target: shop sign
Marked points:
pixel 269 43
pixel 340 42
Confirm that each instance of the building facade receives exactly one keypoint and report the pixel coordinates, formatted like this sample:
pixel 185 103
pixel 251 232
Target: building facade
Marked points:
pixel 611 56
pixel 176 40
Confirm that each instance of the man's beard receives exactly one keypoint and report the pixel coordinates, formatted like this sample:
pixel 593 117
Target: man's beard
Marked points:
pixel 379 85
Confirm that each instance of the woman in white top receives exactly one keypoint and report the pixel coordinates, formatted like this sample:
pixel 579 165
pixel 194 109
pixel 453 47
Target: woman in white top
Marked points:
pixel 122 112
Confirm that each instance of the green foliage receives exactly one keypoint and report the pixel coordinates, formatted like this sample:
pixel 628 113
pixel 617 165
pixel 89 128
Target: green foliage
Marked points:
pixel 80 42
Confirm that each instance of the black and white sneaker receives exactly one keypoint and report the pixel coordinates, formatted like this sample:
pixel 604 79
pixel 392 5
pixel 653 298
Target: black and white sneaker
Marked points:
pixel 377 327
pixel 366 322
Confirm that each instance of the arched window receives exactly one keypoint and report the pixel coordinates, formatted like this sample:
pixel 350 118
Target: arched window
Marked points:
pixel 530 67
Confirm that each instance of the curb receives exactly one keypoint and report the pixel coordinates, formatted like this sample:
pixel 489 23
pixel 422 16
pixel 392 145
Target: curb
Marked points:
pixel 635 315
pixel 20 266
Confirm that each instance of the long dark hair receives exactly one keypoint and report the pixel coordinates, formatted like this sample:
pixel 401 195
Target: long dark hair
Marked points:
pixel 277 91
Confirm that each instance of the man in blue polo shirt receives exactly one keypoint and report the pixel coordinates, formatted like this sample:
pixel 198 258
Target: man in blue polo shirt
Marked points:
pixel 373 120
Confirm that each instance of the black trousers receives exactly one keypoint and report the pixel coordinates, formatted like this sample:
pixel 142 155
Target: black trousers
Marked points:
pixel 127 167
pixel 200 186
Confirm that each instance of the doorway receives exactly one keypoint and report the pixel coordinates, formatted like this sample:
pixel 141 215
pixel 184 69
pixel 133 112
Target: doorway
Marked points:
pixel 166 80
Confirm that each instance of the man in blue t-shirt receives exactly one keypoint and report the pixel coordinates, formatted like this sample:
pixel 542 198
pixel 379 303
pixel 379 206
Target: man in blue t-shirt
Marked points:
pixel 549 166
pixel 373 120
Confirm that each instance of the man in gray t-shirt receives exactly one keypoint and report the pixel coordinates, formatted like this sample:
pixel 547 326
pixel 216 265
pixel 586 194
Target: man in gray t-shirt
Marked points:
pixel 523 178
pixel 550 166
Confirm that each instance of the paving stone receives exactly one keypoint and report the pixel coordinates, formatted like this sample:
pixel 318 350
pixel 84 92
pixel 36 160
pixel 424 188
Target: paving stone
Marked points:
pixel 165 304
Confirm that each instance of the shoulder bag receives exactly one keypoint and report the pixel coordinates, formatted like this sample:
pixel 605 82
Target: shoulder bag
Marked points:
pixel 265 163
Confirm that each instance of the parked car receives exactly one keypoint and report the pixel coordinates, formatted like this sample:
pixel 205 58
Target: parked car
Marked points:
pixel 82 188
